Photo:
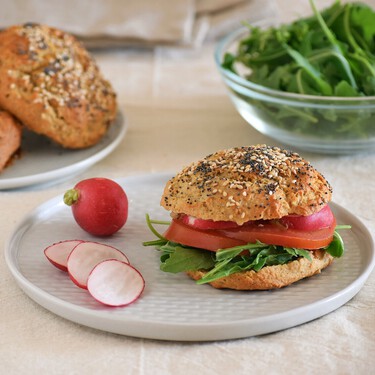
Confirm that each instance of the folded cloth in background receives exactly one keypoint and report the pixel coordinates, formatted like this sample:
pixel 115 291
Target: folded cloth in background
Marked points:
pixel 101 23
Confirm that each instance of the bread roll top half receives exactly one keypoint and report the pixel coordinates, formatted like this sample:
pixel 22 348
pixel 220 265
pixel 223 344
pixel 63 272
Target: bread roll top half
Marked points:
pixel 247 183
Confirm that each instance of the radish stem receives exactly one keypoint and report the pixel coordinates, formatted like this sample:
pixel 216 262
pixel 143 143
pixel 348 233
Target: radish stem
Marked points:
pixel 71 196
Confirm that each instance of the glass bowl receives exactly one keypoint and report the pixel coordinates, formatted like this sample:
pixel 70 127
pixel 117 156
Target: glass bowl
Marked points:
pixel 335 125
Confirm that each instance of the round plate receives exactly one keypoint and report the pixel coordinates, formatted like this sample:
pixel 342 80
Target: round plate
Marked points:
pixel 43 161
pixel 173 307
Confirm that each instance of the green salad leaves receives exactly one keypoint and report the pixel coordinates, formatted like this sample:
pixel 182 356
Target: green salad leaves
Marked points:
pixel 179 258
pixel 331 53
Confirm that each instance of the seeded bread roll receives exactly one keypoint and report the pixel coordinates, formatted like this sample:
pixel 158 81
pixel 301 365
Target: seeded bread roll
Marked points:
pixel 51 84
pixel 247 183
pixel 271 277
pixel 10 138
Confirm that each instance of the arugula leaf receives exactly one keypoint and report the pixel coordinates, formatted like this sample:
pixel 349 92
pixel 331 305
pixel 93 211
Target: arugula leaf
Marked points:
pixel 232 252
pixel 336 247
pixel 337 48
pixel 186 259
pixel 228 62
pixel 344 89
pixel 299 252
pixel 266 255
pixel 304 63
pixel 364 20
pixel 151 227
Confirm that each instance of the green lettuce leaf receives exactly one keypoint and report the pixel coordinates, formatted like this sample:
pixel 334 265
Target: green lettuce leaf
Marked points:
pixel 186 259
pixel 336 248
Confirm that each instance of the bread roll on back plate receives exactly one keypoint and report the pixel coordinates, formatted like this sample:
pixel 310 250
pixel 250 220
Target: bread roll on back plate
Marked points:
pixel 10 138
pixel 52 85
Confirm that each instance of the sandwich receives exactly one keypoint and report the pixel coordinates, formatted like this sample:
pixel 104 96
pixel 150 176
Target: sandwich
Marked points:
pixel 248 218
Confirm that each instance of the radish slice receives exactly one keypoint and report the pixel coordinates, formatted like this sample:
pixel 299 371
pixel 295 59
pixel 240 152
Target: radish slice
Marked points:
pixel 115 283
pixel 319 220
pixel 58 253
pixel 207 224
pixel 85 256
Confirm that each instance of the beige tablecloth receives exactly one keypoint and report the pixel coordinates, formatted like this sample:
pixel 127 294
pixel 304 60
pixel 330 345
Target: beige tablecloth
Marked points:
pixel 178 111
pixel 115 22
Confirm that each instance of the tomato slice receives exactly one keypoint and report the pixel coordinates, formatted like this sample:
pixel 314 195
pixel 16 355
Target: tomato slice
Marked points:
pixel 267 232
pixel 203 239
pixel 276 234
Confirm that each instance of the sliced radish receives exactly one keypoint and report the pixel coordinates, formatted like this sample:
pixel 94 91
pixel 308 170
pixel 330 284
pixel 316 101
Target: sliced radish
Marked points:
pixel 115 283
pixel 58 253
pixel 86 255
pixel 207 224
pixel 319 220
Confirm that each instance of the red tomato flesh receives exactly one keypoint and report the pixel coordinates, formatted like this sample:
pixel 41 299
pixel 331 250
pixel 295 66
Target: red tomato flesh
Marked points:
pixel 272 232
pixel 203 239
pixel 276 234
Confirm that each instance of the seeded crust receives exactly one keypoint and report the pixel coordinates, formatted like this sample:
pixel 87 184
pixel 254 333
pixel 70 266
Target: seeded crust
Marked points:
pixel 10 138
pixel 52 85
pixel 271 277
pixel 247 183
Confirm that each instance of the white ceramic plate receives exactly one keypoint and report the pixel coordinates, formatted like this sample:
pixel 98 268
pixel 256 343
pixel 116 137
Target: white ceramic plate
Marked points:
pixel 42 161
pixel 173 307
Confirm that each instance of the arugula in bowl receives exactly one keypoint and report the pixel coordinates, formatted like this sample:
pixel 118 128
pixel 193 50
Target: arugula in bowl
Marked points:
pixel 331 53
pixel 310 83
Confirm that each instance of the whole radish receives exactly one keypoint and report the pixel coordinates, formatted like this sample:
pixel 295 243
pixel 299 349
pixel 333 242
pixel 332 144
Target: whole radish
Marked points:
pixel 99 205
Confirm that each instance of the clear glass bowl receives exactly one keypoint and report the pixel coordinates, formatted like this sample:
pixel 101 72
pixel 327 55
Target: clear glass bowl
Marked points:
pixel 336 125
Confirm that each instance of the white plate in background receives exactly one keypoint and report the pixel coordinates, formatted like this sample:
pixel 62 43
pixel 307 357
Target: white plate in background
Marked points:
pixel 43 161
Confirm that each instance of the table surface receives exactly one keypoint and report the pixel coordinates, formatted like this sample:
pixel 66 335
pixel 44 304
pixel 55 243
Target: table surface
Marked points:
pixel 177 112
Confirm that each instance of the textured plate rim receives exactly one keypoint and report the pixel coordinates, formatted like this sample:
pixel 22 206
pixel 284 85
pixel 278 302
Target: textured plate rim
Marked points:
pixel 178 331
pixel 68 170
